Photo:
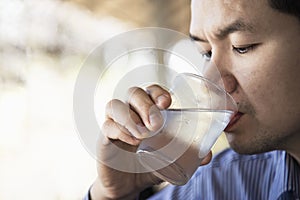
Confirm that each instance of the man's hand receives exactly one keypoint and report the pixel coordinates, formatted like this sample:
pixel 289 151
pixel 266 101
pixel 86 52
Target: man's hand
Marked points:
pixel 125 126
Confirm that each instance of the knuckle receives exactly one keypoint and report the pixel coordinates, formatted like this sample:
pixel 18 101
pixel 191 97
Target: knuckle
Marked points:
pixel 112 105
pixel 112 102
pixel 155 87
pixel 133 92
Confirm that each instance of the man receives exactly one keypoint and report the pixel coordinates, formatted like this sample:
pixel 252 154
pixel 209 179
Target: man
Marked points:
pixel 255 45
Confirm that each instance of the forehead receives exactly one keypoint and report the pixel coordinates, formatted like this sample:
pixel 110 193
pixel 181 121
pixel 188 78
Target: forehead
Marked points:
pixel 211 15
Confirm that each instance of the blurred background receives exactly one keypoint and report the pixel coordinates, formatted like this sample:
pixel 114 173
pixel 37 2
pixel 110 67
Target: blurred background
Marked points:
pixel 42 46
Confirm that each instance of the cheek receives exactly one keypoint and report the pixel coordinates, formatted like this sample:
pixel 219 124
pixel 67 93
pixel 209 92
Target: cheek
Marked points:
pixel 259 94
pixel 274 95
pixel 256 89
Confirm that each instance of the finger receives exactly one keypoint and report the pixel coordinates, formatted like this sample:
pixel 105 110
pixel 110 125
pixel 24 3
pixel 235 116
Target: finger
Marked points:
pixel 123 115
pixel 115 131
pixel 160 96
pixel 146 108
pixel 206 159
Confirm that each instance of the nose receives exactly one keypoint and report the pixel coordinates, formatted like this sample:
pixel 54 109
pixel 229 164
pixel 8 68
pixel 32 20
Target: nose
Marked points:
pixel 222 78
pixel 223 65
pixel 230 83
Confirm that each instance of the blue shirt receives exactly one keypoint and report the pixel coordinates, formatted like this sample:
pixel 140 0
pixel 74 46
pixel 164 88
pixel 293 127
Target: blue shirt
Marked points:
pixel 269 176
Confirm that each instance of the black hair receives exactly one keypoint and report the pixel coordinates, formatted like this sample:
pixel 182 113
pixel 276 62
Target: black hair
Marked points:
pixel 291 7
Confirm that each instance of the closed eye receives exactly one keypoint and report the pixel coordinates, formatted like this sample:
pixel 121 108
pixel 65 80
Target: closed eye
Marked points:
pixel 244 49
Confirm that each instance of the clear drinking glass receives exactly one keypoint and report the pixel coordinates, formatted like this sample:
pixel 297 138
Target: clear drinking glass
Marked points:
pixel 199 112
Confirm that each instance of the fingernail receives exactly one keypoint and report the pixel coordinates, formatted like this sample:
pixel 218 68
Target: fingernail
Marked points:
pixel 161 99
pixel 155 118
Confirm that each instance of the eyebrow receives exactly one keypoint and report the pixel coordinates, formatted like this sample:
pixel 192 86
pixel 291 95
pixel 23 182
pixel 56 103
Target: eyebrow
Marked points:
pixel 236 26
pixel 196 38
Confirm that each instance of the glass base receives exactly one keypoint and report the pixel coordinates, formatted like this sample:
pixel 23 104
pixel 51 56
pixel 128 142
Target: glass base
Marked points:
pixel 162 167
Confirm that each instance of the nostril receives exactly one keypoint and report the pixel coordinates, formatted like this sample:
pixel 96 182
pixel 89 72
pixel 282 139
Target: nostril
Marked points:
pixel 230 83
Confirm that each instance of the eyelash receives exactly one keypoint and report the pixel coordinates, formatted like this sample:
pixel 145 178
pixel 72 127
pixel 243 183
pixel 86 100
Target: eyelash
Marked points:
pixel 245 49
pixel 240 50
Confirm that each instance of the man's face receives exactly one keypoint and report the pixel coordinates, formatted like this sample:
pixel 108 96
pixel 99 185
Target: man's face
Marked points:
pixel 256 50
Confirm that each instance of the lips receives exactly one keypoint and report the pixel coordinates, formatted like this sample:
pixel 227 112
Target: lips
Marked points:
pixel 233 121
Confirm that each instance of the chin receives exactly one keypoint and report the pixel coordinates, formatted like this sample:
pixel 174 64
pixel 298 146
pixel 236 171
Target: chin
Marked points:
pixel 245 142
pixel 244 150
pixel 250 147
pixel 240 146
